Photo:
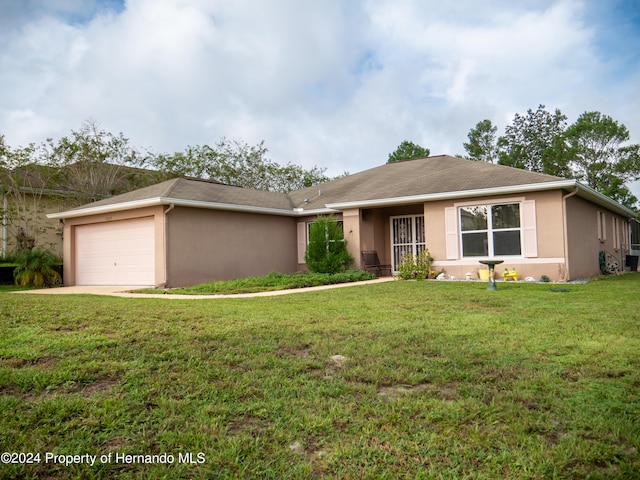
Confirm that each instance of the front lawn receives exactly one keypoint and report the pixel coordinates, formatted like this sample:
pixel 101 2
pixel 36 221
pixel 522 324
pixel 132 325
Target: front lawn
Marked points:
pixel 392 380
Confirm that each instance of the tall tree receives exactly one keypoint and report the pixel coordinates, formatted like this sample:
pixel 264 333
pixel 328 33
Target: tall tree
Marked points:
pixel 599 157
pixel 235 162
pixel 482 143
pixel 408 151
pixel 96 163
pixel 535 142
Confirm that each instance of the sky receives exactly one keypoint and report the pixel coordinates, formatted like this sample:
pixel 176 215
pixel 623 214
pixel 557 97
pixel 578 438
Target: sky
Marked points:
pixel 327 83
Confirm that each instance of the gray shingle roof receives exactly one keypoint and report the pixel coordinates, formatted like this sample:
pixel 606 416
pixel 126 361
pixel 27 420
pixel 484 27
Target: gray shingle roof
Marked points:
pixel 423 176
pixel 413 178
pixel 201 191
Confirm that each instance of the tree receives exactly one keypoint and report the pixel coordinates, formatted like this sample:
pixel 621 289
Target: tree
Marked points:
pixel 599 158
pixel 408 151
pixel 482 142
pixel 234 162
pixel 97 164
pixel 535 142
pixel 327 249
pixel 24 182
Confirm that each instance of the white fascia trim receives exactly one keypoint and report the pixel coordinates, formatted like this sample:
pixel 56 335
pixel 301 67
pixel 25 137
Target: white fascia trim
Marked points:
pixel 601 199
pixel 116 207
pixel 587 192
pixel 227 207
pixel 151 202
pixel 430 197
pixel 300 212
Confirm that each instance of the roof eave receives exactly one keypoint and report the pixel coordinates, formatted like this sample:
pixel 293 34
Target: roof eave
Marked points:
pixel 583 191
pixel 178 202
pixel 431 197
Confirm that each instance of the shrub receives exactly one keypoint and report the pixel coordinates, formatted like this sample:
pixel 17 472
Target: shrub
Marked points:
pixel 418 268
pixel 327 249
pixel 37 268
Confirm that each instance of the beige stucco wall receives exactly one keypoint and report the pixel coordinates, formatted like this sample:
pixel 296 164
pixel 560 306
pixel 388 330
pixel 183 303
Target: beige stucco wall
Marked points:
pixel 549 229
pixel 69 247
pixel 208 245
pixel 582 237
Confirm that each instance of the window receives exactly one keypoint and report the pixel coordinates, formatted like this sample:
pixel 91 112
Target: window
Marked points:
pixel 491 230
pixel 303 238
pixel 602 226
pixel 616 233
pixel 339 222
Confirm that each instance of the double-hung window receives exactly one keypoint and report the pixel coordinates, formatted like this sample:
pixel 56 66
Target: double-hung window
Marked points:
pixel 491 230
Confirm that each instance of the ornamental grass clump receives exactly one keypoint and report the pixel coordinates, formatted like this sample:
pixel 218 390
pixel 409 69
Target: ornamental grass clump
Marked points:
pixel 415 268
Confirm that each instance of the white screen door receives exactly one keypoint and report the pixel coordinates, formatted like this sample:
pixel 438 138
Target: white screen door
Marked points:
pixel 407 236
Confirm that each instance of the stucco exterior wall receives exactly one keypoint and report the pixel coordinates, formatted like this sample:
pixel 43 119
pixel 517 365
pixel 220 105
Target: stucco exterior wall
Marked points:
pixel 583 239
pixel 550 258
pixel 208 245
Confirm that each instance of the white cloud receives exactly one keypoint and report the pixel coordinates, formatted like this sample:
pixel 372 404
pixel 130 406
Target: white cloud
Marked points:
pixel 334 84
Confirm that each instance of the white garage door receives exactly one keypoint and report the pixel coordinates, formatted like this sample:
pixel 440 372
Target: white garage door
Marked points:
pixel 116 253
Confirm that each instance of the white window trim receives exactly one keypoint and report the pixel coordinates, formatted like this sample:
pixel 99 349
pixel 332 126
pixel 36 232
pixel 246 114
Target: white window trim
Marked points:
pixel 528 245
pixel 302 232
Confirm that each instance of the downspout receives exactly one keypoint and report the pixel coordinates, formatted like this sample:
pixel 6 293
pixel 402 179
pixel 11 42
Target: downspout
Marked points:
pixel 5 227
pixel 165 241
pixel 565 231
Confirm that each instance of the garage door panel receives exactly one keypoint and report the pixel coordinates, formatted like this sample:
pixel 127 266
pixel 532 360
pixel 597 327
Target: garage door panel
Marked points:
pixel 116 253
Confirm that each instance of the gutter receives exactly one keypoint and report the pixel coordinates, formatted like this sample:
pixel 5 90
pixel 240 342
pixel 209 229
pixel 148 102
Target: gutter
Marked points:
pixel 582 190
pixel 565 231
pixel 585 191
pixel 431 197
pixel 165 239
pixel 5 227
pixel 177 202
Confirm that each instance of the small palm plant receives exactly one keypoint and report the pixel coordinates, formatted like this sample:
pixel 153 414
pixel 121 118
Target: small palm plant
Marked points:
pixel 37 268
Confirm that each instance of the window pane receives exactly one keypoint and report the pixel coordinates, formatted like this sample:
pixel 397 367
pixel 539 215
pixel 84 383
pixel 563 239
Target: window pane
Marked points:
pixel 473 218
pixel 506 243
pixel 475 245
pixel 506 216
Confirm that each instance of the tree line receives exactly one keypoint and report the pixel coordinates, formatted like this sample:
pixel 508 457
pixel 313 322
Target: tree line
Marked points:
pixel 95 164
pixel 91 163
pixel 593 150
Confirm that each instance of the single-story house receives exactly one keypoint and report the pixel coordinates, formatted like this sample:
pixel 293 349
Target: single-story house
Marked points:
pixel 182 231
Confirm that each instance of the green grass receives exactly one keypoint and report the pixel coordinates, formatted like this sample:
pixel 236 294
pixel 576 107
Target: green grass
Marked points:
pixel 438 380
pixel 271 282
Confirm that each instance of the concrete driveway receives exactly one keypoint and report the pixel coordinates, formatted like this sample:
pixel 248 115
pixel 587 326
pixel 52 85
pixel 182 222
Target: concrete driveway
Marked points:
pixel 124 291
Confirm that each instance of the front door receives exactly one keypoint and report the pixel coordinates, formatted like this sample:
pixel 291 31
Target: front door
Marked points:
pixel 407 236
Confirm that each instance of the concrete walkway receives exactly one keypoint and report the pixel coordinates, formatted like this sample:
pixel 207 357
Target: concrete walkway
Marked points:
pixel 124 291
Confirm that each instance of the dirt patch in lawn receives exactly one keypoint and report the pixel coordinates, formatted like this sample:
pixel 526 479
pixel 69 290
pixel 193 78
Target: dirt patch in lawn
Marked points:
pixel 448 391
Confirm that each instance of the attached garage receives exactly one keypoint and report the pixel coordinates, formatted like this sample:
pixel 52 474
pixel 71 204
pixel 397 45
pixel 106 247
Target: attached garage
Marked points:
pixel 116 253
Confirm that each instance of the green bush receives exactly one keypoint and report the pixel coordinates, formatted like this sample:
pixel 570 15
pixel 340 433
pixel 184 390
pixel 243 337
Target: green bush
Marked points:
pixel 272 281
pixel 415 268
pixel 327 249
pixel 37 268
